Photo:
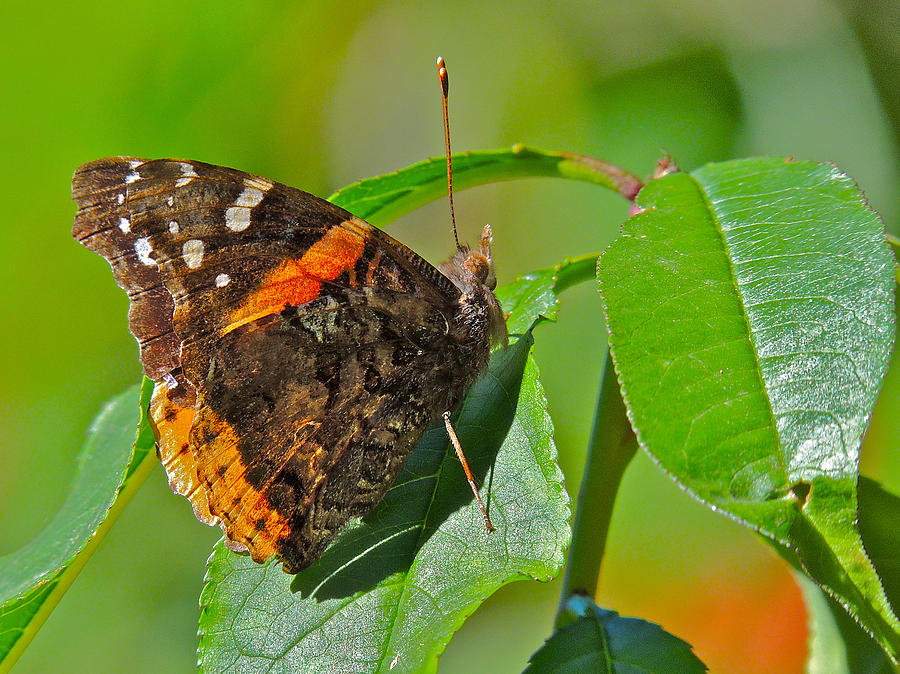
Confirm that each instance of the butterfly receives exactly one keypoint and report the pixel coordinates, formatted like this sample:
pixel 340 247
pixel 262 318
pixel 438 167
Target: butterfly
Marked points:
pixel 298 353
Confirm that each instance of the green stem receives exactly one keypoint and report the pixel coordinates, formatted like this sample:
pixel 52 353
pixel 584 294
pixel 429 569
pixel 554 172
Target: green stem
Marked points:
pixel 575 270
pixel 612 446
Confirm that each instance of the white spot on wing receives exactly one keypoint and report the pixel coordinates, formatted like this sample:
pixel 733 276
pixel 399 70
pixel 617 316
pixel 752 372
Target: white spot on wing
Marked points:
pixel 132 177
pixel 134 163
pixel 188 172
pixel 120 198
pixel 250 197
pixel 222 280
pixel 143 249
pixel 192 253
pixel 125 225
pixel 237 218
pixel 173 226
pixel 170 201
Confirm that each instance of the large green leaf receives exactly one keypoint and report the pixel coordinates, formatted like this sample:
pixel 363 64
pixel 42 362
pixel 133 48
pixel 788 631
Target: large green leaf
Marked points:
pixel 597 640
pixel 111 465
pixel 750 308
pixel 393 587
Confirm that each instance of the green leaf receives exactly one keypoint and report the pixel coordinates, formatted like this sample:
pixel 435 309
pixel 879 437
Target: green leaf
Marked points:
pixel 836 641
pixel 750 309
pixel 111 465
pixel 393 587
pixel 602 641
pixel 384 198
pixel 534 295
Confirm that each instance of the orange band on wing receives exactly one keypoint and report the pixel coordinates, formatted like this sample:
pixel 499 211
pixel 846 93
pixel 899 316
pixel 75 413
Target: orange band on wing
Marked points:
pixel 172 426
pixel 245 514
pixel 296 282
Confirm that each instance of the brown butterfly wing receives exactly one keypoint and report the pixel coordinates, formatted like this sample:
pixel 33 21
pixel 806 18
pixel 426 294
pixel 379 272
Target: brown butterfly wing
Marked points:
pixel 298 352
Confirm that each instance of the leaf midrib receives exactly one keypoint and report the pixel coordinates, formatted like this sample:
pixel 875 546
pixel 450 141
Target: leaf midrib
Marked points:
pixel 726 250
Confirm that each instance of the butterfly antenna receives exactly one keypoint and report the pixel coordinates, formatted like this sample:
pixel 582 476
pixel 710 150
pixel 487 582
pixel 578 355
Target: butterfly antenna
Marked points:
pixel 445 88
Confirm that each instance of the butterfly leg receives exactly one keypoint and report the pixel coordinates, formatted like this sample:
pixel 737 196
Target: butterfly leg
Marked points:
pixel 451 433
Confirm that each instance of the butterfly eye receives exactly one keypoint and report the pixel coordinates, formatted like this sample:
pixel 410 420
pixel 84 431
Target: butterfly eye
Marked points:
pixel 491 280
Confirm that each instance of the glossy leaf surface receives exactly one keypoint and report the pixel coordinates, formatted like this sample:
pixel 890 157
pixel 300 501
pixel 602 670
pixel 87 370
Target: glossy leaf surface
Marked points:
pixel 750 308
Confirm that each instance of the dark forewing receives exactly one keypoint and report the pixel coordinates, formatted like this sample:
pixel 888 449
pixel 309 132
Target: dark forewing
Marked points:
pixel 193 243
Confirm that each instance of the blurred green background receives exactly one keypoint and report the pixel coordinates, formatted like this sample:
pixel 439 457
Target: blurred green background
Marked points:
pixel 319 94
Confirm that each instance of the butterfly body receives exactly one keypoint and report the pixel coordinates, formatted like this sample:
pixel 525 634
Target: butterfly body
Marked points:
pixel 298 352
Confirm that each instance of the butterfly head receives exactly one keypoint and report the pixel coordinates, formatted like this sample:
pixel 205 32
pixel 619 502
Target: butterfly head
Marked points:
pixel 472 271
pixel 470 268
pixel 479 262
